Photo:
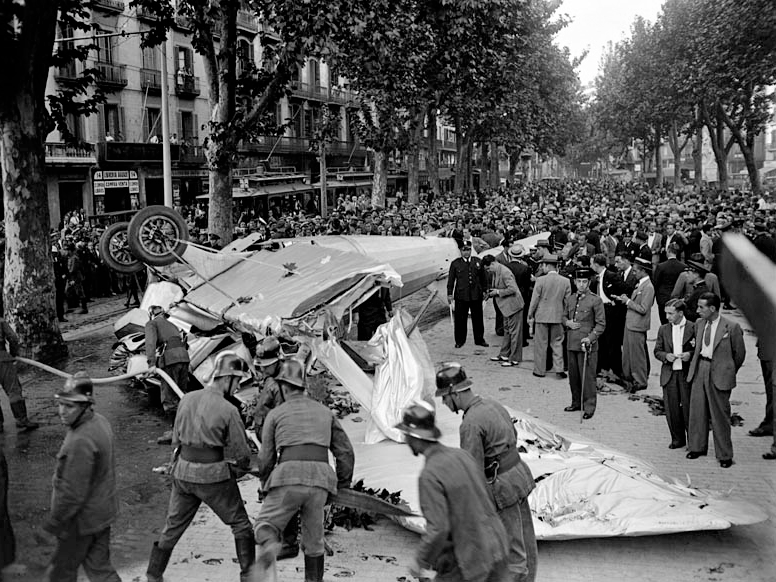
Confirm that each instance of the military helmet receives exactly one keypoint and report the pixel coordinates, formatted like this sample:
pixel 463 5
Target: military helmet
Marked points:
pixel 228 363
pixel 292 372
pixel 269 351
pixel 451 377
pixel 419 421
pixel 78 388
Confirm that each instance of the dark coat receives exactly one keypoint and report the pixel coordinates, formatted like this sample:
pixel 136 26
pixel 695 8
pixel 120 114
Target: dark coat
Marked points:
pixel 664 278
pixel 467 281
pixel 665 345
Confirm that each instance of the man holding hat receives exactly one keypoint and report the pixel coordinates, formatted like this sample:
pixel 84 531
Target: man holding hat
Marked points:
pixel 165 348
pixel 546 309
pixel 488 434
pixel 84 503
pixel 585 321
pixel 466 285
pixel 200 472
pixel 294 466
pixel 464 539
pixel 635 357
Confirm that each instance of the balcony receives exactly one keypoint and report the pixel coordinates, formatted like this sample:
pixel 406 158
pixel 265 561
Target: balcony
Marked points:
pixel 145 14
pixel 119 151
pixel 268 32
pixel 114 76
pixel 186 86
pixel 247 21
pixel 309 91
pixel 182 22
pixel 151 80
pixel 109 5
pixel 341 95
pixel 66 154
pixel 67 73
pixel 192 154
pixel 295 145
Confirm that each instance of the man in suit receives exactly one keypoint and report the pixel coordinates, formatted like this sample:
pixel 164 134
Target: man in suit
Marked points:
pixel 546 309
pixel 674 347
pixel 623 262
pixel 507 297
pixel 672 237
pixel 607 285
pixel 466 285
pixel 685 283
pixel 664 278
pixel 719 353
pixel 522 273
pixel 643 251
pixel 694 274
pixel 585 323
pixel 655 243
pixel 608 245
pixel 635 357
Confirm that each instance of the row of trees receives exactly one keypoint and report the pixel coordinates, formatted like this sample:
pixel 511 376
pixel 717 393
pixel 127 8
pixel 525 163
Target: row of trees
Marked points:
pixel 490 66
pixel 704 64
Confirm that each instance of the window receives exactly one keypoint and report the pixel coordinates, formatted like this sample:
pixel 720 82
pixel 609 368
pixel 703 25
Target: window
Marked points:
pixel 296 119
pixel 244 56
pixel 153 124
pixel 312 121
pixel 113 121
pixel 75 125
pixel 151 59
pixel 106 47
pixel 185 60
pixel 187 128
pixel 315 73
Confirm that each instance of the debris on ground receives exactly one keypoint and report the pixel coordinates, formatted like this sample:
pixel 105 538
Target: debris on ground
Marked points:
pixel 736 419
pixel 349 518
pixel 655 403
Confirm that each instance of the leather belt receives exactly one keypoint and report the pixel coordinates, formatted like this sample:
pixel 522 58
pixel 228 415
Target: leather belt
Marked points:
pixel 705 359
pixel 501 464
pixel 202 454
pixel 308 452
pixel 174 342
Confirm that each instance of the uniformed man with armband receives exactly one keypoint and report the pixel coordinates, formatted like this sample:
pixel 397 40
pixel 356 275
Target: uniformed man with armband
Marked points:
pixel 294 465
pixel 488 434
pixel 205 425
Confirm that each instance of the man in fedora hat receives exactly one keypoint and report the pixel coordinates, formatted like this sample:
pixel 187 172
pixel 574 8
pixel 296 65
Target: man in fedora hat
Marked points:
pixel 294 468
pixel 522 271
pixel 585 322
pixel 635 357
pixel 694 274
pixel 464 538
pixel 84 502
pixel 546 309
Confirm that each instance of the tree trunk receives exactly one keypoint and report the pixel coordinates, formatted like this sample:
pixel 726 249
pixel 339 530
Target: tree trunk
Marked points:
pixel 29 292
pixel 658 157
pixel 460 162
pixel 751 165
pixel 673 141
pixel 697 150
pixel 413 160
pixel 432 163
pixel 484 164
pixel 514 162
pixel 379 179
pixel 495 173
pixel 469 185
pixel 717 138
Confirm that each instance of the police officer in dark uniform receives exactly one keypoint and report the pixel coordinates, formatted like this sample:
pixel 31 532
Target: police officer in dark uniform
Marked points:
pixel 466 284
pixel 294 466
pixel 488 434
pixel 165 348
pixel 585 321
pixel 200 472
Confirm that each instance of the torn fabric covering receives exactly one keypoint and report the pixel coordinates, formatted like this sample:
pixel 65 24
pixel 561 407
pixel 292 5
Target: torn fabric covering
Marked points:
pixel 288 283
pixel 584 489
pixel 399 379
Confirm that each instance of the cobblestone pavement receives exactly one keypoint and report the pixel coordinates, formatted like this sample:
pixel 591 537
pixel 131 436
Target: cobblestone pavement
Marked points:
pixel 206 552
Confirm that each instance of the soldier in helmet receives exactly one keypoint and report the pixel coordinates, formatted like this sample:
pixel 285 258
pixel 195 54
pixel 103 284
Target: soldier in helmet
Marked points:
pixel 294 466
pixel 270 397
pixel 200 473
pixel 488 434
pixel 165 348
pixel 83 501
pixel 464 538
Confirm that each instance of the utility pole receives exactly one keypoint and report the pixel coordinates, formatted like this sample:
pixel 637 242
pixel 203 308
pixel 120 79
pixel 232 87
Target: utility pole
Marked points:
pixel 166 160
pixel 324 186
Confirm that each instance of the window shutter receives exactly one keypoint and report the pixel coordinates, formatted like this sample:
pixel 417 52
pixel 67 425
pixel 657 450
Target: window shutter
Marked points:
pixel 122 129
pixel 180 132
pixel 195 131
pixel 103 129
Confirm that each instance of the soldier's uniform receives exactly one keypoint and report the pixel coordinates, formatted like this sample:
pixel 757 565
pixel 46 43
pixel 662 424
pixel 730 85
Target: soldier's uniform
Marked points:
pixel 163 336
pixel 587 310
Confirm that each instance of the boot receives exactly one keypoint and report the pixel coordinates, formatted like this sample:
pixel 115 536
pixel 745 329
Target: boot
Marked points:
pixel 23 423
pixel 157 563
pixel 290 541
pixel 246 556
pixel 313 568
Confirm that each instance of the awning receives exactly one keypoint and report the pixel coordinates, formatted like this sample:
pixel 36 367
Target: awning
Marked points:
pixel 343 184
pixel 269 190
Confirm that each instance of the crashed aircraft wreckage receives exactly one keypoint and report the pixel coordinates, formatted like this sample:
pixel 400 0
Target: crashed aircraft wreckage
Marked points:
pixel 301 290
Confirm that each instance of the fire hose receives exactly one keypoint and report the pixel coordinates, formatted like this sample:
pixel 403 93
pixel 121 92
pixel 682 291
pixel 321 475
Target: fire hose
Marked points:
pixel 108 380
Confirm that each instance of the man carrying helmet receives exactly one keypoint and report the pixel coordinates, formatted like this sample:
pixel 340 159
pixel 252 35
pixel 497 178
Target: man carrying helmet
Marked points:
pixel 294 466
pixel 165 348
pixel 83 499
pixel 488 434
pixel 270 397
pixel 464 540
pixel 205 425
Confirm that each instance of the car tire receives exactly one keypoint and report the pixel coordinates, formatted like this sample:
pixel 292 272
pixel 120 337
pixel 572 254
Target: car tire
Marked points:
pixel 157 235
pixel 115 251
